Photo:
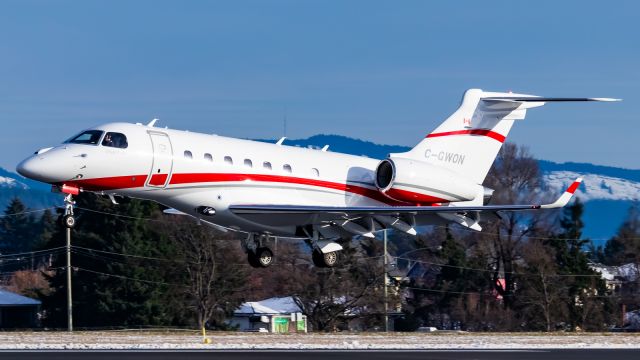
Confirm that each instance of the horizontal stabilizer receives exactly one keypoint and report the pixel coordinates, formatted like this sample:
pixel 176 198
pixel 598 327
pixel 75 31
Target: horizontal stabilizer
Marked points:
pixel 517 99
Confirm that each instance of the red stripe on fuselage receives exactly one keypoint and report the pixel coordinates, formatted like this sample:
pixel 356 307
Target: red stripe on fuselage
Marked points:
pixel 374 194
pixel 414 197
pixel 134 181
pixel 158 179
pixel 110 183
pixel 479 132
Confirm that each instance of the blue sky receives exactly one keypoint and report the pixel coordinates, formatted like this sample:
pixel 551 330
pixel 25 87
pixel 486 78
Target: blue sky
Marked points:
pixel 386 71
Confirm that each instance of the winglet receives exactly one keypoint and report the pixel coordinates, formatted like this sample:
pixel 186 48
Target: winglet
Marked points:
pixel 565 197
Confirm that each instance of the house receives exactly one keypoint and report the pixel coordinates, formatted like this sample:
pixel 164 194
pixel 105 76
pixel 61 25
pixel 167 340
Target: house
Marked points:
pixel 615 277
pixel 17 311
pixel 275 315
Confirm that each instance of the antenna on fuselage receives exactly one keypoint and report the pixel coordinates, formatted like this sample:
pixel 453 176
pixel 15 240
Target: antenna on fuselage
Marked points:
pixel 152 122
pixel 281 140
pixel 325 148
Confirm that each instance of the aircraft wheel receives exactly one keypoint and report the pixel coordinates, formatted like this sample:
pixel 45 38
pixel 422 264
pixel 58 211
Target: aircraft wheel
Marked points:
pixel 330 259
pixel 252 258
pixel 264 256
pixel 322 260
pixel 69 221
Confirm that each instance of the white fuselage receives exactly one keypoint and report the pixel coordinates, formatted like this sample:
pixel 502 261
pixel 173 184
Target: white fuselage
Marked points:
pixel 185 170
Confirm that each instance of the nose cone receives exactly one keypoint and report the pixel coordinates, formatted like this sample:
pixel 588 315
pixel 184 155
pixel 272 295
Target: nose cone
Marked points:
pixel 30 168
pixel 48 168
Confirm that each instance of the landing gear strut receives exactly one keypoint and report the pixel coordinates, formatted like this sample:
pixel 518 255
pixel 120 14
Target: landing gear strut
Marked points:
pixel 68 220
pixel 258 255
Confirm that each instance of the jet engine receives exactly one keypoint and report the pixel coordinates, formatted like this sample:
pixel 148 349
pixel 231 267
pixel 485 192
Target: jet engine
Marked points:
pixel 418 182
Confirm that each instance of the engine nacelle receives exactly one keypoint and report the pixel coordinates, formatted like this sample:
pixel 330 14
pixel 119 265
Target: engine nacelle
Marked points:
pixel 418 182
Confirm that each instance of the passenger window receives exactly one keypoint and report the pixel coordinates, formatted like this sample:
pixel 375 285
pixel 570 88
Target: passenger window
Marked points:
pixel 286 168
pixel 208 157
pixel 228 160
pixel 116 140
pixel 266 165
pixel 89 137
pixel 188 154
pixel 315 172
pixel 248 163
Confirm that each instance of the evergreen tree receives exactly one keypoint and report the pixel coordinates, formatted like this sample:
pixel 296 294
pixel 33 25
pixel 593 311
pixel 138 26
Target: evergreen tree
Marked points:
pixel 18 230
pixel 111 289
pixel 585 288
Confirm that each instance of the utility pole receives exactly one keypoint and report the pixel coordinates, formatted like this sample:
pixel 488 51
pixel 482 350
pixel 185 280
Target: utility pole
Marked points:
pixel 69 302
pixel 386 305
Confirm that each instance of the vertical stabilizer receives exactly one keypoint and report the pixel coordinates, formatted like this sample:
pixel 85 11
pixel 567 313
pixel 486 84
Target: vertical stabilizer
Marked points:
pixel 469 140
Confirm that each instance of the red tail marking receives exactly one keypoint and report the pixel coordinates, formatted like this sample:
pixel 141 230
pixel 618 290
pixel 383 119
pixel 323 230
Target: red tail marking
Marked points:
pixel 573 187
pixel 481 132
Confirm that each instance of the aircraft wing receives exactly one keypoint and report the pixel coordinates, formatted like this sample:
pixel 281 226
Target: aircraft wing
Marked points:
pixel 302 215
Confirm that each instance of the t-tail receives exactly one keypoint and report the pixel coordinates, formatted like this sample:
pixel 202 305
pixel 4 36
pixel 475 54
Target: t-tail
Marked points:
pixel 468 142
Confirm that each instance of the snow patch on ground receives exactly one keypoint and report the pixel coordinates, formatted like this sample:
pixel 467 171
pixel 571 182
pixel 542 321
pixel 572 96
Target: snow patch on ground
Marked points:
pixel 191 340
pixel 594 186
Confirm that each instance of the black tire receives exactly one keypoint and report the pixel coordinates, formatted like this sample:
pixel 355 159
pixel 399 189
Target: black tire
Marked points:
pixel 318 259
pixel 253 259
pixel 69 221
pixel 264 255
pixel 322 260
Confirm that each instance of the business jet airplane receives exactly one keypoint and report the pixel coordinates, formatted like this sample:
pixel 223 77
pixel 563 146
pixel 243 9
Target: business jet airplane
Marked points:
pixel 273 190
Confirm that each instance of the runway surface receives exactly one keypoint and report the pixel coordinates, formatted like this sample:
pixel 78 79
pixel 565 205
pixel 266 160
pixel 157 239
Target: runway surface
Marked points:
pixel 550 354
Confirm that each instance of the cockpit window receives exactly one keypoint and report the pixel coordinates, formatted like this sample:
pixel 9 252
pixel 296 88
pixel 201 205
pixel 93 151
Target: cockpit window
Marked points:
pixel 114 139
pixel 89 137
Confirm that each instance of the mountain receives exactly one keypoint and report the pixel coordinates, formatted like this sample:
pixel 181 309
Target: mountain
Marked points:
pixel 608 192
pixel 35 195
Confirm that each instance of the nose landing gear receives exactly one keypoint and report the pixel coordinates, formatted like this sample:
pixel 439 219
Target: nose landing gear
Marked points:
pixel 68 220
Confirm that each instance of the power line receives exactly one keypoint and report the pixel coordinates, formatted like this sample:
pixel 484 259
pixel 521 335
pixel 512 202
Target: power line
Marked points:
pixel 32 252
pixel 490 271
pixel 27 212
pixel 118 215
pixel 129 278
pixel 129 255
pixel 519 296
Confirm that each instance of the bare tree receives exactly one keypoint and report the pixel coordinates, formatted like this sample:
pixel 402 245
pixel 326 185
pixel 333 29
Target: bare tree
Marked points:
pixel 543 294
pixel 215 273
pixel 516 177
pixel 327 296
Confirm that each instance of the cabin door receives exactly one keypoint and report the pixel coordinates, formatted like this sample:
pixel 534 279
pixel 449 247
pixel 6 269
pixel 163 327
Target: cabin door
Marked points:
pixel 162 160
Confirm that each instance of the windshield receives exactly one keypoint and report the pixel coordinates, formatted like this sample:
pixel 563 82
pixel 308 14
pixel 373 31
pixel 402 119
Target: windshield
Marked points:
pixel 89 137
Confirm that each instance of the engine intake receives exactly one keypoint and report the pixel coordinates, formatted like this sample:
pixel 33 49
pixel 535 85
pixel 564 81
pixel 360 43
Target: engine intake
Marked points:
pixel 418 182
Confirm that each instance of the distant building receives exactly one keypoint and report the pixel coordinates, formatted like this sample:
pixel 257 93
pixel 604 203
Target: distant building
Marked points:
pixel 17 311
pixel 616 277
pixel 276 315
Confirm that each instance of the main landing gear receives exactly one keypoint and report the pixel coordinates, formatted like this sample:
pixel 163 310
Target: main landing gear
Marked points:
pixel 324 260
pixel 258 255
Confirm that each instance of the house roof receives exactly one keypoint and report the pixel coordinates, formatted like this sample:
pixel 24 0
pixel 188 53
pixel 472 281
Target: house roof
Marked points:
pixel 629 272
pixel 8 298
pixel 272 306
